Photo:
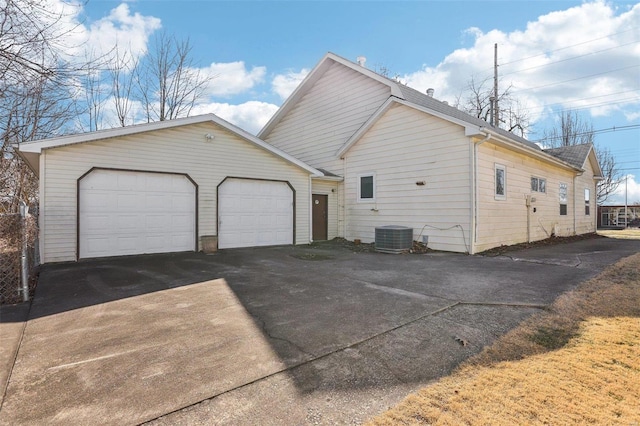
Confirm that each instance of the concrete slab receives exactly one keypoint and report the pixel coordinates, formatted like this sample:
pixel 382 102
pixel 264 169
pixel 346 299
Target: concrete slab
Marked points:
pixel 304 335
pixel 125 361
pixel 13 319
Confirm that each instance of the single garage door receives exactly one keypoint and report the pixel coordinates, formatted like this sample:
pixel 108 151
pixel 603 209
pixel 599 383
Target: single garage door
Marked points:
pixel 127 212
pixel 254 213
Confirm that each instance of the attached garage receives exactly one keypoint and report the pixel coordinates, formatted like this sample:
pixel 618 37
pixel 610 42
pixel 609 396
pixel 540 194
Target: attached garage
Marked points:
pixel 255 213
pixel 170 186
pixel 125 212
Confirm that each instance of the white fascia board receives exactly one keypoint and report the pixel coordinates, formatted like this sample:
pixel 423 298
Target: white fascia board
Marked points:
pixel 595 163
pixel 37 146
pixel 259 142
pixel 519 147
pixel 365 127
pixel 469 129
pixel 328 178
pixel 315 74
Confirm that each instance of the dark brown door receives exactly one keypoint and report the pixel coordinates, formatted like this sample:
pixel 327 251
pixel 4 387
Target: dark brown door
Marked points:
pixel 320 213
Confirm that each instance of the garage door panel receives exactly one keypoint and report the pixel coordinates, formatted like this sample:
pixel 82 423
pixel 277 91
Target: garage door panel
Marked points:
pixel 254 213
pixel 123 213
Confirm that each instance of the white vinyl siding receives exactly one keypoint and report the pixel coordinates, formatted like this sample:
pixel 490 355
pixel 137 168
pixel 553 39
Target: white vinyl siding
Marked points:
pixel 176 150
pixel 505 222
pixel 404 148
pixel 321 122
pixel 331 189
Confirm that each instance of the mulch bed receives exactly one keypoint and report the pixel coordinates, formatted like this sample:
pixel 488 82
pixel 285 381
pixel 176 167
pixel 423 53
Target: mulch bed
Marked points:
pixel 497 251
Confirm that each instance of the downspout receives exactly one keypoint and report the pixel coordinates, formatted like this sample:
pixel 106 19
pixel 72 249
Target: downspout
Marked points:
pixel 575 204
pixel 343 198
pixel 474 190
pixel 310 204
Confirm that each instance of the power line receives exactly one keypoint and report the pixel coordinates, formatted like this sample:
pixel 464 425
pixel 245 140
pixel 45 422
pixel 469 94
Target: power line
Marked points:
pixel 570 46
pixel 594 132
pixel 568 59
pixel 578 78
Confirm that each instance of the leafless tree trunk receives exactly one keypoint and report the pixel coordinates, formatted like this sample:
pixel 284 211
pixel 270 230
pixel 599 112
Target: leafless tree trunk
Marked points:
pixel 122 71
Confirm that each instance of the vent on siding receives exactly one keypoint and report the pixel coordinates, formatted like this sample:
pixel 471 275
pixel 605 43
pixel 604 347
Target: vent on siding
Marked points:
pixel 394 239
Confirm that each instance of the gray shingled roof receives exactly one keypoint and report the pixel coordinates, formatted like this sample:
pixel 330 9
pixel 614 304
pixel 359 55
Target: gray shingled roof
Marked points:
pixel 575 155
pixel 424 100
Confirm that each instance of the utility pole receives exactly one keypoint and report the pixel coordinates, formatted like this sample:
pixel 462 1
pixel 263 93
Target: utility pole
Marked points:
pixel 496 110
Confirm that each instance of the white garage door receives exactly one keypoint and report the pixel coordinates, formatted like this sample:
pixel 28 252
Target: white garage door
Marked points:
pixel 124 212
pixel 254 213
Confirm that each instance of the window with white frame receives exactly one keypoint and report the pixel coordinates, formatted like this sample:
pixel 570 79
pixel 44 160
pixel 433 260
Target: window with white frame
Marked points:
pixel 587 201
pixel 538 184
pixel 562 195
pixel 367 187
pixel 500 182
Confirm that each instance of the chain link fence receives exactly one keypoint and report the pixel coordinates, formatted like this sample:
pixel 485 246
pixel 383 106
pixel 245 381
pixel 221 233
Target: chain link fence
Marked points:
pixel 18 256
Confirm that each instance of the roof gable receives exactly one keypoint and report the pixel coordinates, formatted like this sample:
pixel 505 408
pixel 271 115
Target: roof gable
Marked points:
pixel 316 73
pixel 31 150
pixel 577 155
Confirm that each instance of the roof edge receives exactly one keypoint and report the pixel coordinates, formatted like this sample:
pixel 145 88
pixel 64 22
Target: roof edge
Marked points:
pixel 36 147
pixel 314 75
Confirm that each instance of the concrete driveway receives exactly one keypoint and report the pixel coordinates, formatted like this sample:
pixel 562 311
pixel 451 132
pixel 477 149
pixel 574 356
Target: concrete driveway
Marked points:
pixel 283 335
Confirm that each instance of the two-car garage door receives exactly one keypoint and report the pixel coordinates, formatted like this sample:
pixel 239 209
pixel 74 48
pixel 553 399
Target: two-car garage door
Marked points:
pixel 131 212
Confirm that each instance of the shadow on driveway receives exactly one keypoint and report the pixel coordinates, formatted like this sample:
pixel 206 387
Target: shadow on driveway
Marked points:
pixel 295 334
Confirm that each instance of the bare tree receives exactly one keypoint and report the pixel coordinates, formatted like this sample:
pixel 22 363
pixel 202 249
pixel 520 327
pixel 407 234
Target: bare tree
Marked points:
pixel 168 82
pixel 32 111
pixel 122 71
pixel 478 102
pixel 572 130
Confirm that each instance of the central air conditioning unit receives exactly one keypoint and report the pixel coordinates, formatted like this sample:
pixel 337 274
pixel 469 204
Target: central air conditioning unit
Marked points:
pixel 394 239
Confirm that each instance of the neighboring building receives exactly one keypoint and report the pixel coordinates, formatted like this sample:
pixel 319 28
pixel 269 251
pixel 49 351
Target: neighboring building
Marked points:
pixel 614 216
pixel 164 187
pixel 391 155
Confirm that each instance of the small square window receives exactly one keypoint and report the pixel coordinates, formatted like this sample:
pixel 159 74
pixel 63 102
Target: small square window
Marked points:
pixel 538 185
pixel 563 209
pixel 500 182
pixel 366 187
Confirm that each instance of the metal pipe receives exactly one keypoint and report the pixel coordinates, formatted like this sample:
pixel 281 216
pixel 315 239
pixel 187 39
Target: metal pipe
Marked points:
pixel 23 259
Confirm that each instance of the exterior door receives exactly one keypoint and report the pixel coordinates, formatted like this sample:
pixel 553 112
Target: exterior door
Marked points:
pixel 320 215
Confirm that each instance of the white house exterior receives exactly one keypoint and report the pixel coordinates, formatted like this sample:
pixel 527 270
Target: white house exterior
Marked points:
pixel 408 159
pixel 349 151
pixel 164 187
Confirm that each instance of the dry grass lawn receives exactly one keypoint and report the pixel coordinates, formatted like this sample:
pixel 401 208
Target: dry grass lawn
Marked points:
pixel 576 363
pixel 628 234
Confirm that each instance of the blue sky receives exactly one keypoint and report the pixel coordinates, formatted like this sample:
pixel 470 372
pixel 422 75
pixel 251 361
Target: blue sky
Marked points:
pixel 555 54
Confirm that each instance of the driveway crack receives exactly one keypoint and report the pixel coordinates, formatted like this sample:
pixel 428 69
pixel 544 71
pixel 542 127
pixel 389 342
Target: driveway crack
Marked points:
pixel 269 334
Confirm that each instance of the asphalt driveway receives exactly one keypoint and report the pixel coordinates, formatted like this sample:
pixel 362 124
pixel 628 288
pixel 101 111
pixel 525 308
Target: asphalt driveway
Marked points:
pixel 282 335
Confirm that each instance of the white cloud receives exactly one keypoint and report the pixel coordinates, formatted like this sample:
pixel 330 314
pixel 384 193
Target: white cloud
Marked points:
pixel 632 189
pixel 232 78
pixel 285 84
pixel 121 28
pixel 250 116
pixel 549 62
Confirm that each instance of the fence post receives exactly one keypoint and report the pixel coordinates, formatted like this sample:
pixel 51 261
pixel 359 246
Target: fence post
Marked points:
pixel 23 259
